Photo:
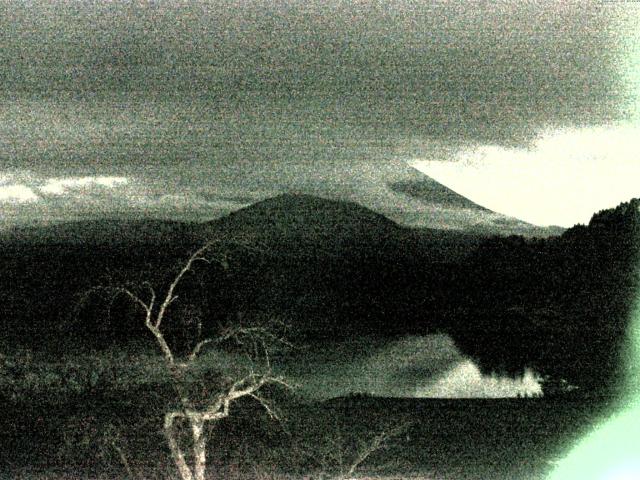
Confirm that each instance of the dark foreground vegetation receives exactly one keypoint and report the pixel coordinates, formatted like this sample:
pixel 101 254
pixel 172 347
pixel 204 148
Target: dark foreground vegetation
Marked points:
pixel 83 391
pixel 110 433
pixel 336 270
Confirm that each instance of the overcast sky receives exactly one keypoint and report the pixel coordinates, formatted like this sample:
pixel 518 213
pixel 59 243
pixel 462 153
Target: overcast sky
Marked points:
pixel 189 109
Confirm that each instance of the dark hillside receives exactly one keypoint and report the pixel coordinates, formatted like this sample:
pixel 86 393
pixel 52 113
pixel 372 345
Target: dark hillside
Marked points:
pixel 337 270
pixel 560 305
pixel 326 267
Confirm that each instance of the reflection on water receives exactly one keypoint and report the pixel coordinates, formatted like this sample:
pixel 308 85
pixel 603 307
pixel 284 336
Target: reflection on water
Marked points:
pixel 466 381
pixel 427 366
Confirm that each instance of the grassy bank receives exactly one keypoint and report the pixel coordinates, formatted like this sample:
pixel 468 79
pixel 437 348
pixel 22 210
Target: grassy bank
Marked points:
pixel 99 416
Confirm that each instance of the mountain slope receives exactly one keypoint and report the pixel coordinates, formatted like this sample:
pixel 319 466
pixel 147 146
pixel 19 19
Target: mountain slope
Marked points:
pixel 407 196
pixel 310 260
pixel 300 218
pixel 337 270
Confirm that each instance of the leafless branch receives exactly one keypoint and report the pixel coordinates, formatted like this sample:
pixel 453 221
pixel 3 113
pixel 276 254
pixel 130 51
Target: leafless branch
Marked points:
pixel 196 350
pixel 170 297
pixel 246 386
pixel 266 405
pixel 258 338
pixel 377 443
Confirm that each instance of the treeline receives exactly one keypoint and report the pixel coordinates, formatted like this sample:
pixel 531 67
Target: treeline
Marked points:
pixel 560 305
pixel 336 270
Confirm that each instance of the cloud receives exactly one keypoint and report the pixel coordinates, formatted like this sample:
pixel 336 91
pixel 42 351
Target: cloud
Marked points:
pixel 62 186
pixel 27 196
pixel 21 187
pixel 518 55
pixel 16 193
pixel 561 179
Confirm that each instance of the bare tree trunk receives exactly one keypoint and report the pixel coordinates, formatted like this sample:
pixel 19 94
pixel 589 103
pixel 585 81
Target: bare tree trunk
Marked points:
pixel 176 453
pixel 177 368
pixel 125 462
pixel 199 446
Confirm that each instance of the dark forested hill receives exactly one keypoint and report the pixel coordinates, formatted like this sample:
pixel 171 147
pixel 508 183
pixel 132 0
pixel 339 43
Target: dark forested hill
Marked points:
pixel 336 269
pixel 326 266
pixel 561 305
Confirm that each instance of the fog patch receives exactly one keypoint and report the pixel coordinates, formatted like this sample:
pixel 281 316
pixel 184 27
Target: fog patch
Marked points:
pixel 62 186
pixel 16 193
pixel 428 366
pixel 465 380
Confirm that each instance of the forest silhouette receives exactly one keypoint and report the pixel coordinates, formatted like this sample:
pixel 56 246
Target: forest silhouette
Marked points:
pixel 334 270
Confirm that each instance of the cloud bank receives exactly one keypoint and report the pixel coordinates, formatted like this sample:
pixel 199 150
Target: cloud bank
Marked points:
pixel 560 179
pixel 17 194
pixel 80 185
pixel 27 197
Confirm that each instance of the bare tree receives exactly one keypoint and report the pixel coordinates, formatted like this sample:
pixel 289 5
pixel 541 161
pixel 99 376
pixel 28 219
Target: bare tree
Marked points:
pixel 197 412
pixel 340 453
pixel 366 448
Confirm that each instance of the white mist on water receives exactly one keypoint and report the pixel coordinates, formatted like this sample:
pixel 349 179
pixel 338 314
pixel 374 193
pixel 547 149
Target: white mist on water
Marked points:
pixel 429 366
pixel 466 380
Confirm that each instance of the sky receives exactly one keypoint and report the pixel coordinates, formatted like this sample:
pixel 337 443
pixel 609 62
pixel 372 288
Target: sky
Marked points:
pixel 561 179
pixel 190 110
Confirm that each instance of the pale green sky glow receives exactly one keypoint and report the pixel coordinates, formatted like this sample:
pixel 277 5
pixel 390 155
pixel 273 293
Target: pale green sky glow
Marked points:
pixel 612 450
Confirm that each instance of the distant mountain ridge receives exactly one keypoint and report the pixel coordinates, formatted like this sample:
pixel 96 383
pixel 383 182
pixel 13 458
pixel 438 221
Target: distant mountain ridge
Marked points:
pixel 107 231
pixel 300 211
pixel 283 222
pixel 330 256
pixel 393 189
pixel 296 214
pixel 291 214
pixel 335 269
pixel 422 189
